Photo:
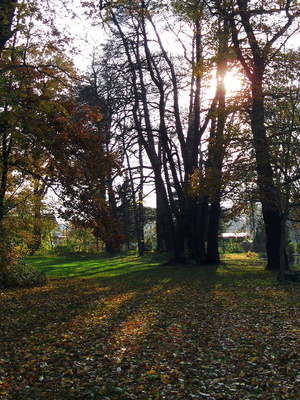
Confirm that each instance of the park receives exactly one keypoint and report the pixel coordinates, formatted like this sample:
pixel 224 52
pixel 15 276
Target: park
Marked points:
pixel 149 199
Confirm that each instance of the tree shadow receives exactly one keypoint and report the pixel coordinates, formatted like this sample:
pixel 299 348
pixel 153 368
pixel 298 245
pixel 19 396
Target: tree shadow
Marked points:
pixel 139 334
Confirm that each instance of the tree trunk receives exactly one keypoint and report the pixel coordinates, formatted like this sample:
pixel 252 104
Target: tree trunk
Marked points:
pixel 38 193
pixel 195 212
pixel 3 186
pixel 216 146
pixel 254 62
pixel 269 194
pixel 193 228
pixel 6 149
pixel 141 217
pixel 212 255
pixel 7 11
pixel 163 231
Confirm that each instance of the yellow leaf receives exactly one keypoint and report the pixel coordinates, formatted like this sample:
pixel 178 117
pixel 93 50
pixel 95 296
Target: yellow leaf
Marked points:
pixel 164 378
pixel 151 372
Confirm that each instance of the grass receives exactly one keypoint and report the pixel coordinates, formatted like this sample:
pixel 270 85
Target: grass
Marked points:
pixel 93 266
pixel 109 267
pixel 131 328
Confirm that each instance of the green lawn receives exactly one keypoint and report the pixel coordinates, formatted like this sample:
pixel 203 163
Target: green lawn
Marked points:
pixel 93 266
pixel 131 328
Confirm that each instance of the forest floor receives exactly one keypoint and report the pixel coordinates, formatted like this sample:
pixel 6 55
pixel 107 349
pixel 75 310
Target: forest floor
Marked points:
pixel 142 331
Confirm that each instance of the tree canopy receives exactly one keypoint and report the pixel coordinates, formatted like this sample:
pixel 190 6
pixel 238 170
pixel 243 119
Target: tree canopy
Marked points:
pixel 49 139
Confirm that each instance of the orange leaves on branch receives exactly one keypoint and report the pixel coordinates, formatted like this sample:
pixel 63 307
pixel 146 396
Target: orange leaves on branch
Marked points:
pixel 83 166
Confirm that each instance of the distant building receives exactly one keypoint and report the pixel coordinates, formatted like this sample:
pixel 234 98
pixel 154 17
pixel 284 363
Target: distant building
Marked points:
pixel 243 234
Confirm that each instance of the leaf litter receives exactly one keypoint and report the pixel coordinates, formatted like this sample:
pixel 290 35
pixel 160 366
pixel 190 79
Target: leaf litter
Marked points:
pixel 184 337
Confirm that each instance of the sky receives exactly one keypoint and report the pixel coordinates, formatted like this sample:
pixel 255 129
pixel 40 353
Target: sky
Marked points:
pixel 90 37
pixel 87 37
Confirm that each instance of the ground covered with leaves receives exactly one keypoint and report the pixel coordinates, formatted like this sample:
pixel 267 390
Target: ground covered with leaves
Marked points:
pixel 164 332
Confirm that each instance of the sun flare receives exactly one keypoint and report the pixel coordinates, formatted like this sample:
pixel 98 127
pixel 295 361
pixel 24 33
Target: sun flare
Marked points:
pixel 233 82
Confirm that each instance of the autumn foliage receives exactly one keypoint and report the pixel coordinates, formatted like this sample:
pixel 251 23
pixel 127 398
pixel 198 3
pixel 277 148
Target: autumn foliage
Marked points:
pixel 48 138
pixel 82 166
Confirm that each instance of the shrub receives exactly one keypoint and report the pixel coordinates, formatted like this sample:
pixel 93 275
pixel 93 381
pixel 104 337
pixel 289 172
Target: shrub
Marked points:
pixel 22 275
pixel 251 254
pixel 230 246
pixel 14 271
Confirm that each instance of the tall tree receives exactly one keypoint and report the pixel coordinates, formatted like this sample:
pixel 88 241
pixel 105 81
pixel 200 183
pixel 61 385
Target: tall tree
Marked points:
pixel 217 145
pixel 108 88
pixel 41 128
pixel 171 144
pixel 28 91
pixel 82 165
pixel 258 31
pixel 137 61
pixel 283 119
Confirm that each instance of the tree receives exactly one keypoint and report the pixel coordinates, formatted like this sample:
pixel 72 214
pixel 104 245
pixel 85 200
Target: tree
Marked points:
pixel 107 88
pixel 217 145
pixel 36 116
pixel 31 218
pixel 7 11
pixel 33 71
pixel 282 119
pixel 171 144
pixel 27 96
pixel 39 191
pixel 82 165
pixel 258 31
pixel 141 119
pixel 175 138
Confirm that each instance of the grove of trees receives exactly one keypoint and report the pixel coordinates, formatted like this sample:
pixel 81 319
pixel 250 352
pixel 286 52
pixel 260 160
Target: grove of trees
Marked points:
pixel 154 113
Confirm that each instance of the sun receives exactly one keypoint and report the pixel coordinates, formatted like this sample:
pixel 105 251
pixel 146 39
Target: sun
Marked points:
pixel 233 82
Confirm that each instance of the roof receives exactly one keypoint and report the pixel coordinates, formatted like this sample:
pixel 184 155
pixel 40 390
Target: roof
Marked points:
pixel 234 234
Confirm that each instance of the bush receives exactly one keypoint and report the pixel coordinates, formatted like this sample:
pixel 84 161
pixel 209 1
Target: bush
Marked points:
pixel 251 254
pixel 230 246
pixel 14 271
pixel 22 275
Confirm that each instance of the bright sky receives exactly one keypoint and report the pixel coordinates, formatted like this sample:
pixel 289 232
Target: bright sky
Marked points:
pixel 85 37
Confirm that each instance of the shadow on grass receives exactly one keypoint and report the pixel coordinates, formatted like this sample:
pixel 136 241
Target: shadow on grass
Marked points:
pixel 90 266
pixel 140 269
pixel 132 328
